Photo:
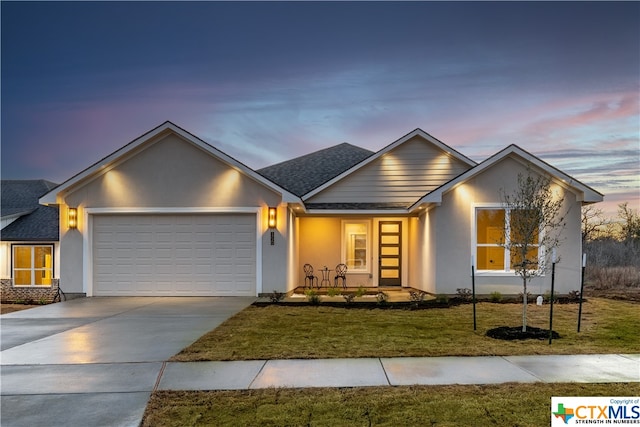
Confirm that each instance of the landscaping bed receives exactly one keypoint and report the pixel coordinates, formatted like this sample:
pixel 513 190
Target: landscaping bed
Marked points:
pixel 511 333
pixel 11 307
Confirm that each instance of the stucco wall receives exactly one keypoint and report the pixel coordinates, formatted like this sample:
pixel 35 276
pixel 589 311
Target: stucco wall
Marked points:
pixel 422 253
pixel 172 173
pixel 454 224
pixel 275 263
pixel 319 245
pixel 169 173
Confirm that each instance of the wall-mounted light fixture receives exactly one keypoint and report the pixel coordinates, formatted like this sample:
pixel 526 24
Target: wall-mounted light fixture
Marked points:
pixel 72 218
pixel 273 223
pixel 273 217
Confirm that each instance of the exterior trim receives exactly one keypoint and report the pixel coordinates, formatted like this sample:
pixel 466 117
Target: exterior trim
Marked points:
pixel 585 193
pixel 417 132
pixel 87 236
pixel 393 212
pixel 474 244
pixel 32 244
pixel 112 160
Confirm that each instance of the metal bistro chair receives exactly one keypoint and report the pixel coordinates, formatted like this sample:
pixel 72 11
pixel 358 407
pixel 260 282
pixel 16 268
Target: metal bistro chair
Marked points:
pixel 341 273
pixel 309 277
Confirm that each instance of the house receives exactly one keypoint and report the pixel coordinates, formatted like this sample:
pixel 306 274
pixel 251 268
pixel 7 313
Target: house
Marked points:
pixel 29 250
pixel 169 214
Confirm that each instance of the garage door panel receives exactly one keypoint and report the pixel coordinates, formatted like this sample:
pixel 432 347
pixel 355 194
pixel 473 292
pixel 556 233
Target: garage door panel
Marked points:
pixel 174 254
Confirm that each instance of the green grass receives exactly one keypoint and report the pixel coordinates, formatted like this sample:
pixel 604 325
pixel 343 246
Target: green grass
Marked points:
pixel 488 405
pixel 284 332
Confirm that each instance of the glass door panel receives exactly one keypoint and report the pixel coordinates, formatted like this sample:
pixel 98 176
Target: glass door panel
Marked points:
pixel 390 259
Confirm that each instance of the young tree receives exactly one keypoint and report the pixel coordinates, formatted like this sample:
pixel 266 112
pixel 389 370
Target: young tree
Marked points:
pixel 535 220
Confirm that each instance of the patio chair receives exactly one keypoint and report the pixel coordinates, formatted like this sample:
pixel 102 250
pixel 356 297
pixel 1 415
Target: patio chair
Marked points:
pixel 309 277
pixel 341 273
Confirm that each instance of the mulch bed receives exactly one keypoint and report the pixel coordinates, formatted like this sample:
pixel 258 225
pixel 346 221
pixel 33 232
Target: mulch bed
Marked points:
pixel 10 308
pixel 511 333
pixel 361 304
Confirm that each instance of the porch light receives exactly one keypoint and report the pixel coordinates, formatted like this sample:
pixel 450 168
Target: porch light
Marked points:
pixel 72 218
pixel 273 217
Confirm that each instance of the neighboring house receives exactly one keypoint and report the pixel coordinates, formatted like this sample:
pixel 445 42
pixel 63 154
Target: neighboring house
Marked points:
pixel 29 242
pixel 168 214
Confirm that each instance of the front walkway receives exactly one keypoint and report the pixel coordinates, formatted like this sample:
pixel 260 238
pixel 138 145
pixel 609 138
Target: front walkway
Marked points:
pixel 256 374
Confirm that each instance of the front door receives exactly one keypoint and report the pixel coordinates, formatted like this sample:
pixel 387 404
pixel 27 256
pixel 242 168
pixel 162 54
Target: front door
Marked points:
pixel 390 250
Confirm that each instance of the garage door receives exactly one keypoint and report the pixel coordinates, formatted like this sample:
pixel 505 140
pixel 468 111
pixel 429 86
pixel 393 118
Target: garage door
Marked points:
pixel 178 255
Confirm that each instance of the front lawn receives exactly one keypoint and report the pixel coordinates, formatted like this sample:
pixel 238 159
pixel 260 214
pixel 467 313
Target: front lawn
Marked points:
pixel 476 405
pixel 285 332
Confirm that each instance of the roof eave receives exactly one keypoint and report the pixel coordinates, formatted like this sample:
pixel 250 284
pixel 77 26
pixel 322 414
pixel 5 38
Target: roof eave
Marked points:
pixel 378 212
pixel 416 132
pixel 585 193
pixel 112 160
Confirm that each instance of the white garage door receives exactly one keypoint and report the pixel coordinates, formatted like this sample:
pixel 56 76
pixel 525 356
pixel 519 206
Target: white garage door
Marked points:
pixel 179 255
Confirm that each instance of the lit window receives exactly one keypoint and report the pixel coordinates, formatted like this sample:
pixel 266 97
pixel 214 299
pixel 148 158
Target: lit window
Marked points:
pixel 32 265
pixel 356 245
pixel 491 253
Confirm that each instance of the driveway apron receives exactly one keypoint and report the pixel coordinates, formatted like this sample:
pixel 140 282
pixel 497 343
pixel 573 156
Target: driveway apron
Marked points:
pixel 95 361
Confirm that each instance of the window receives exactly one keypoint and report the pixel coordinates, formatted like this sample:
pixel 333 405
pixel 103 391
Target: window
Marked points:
pixel 32 265
pixel 355 245
pixel 492 252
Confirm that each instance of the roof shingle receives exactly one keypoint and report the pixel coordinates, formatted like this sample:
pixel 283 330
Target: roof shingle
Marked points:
pixel 36 222
pixel 305 173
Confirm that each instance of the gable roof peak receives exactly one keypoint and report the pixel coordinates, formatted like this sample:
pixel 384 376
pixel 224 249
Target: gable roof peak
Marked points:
pixel 105 164
pixel 587 194
pixel 416 132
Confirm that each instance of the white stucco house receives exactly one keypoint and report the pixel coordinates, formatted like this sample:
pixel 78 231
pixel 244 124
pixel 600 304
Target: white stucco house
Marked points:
pixel 169 214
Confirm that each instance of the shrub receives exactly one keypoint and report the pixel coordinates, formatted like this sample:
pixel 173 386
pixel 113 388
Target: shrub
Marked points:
pixel 312 297
pixel 547 297
pixel 495 296
pixel 417 297
pixel 348 298
pixel 464 294
pixel 276 296
pixel 574 295
pixel 361 291
pixel 442 298
pixel 521 296
pixel 382 298
pixel 333 292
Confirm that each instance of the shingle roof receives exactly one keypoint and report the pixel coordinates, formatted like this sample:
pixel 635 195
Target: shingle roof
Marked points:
pixel 36 222
pixel 303 174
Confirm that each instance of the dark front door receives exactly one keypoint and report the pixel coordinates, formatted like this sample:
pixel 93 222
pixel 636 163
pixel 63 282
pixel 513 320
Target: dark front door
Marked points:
pixel 390 250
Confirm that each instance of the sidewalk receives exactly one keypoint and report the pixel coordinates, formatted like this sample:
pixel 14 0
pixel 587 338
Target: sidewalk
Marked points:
pixel 256 374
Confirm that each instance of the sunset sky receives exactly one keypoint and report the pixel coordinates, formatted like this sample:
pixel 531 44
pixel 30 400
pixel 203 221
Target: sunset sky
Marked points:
pixel 265 82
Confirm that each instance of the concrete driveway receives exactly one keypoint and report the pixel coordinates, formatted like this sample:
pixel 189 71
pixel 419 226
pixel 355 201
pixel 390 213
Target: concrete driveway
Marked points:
pixel 95 361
